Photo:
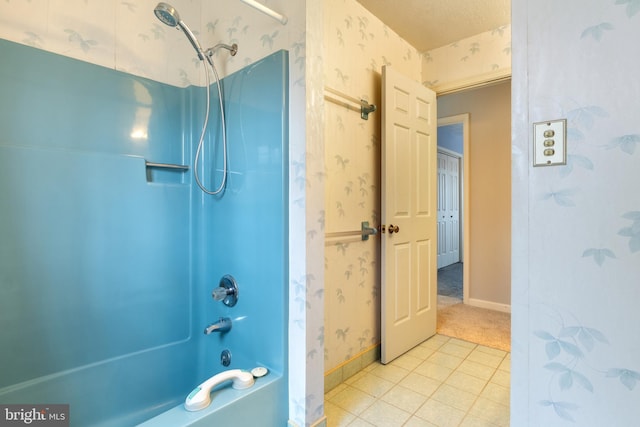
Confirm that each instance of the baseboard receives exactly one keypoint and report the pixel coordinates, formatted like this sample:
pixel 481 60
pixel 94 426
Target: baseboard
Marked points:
pixel 505 308
pixel 337 375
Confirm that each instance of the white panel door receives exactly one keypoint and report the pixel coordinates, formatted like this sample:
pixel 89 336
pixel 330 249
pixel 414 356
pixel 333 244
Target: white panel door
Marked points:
pixel 409 214
pixel 448 209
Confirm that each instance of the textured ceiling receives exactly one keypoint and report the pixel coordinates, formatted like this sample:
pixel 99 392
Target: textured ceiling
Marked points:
pixel 428 24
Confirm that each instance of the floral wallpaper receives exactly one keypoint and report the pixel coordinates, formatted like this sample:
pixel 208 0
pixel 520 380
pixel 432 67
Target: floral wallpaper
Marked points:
pixel 576 263
pixel 356 45
pixel 126 36
pixel 478 57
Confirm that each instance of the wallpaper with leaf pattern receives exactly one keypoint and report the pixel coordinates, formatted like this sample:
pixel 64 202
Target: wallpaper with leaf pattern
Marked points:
pixel 357 45
pixel 576 352
pixel 479 55
pixel 126 36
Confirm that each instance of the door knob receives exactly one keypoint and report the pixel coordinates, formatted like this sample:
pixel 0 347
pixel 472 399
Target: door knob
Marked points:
pixel 393 228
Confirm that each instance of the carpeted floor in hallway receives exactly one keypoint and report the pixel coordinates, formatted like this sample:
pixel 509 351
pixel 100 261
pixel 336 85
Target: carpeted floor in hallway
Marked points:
pixel 457 320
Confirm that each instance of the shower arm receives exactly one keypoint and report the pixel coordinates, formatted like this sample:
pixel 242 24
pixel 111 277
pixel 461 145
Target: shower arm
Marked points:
pixel 231 48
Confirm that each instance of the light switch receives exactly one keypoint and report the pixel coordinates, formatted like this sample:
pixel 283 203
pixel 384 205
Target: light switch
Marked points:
pixel 550 143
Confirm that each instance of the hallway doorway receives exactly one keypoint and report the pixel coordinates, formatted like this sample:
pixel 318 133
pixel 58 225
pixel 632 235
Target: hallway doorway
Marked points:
pixel 485 190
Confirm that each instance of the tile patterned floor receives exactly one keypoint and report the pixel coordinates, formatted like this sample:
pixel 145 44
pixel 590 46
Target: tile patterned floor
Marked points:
pixel 443 382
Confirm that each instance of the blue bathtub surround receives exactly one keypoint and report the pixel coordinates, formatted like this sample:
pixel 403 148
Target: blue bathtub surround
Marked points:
pixel 106 265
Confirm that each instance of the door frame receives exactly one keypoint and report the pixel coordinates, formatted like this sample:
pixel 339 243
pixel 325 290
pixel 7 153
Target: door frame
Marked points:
pixel 464 200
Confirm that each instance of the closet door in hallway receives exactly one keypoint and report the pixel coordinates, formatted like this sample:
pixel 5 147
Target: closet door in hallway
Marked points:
pixel 448 209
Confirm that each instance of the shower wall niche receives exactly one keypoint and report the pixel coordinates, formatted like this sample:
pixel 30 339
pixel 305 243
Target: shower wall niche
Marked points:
pixel 107 265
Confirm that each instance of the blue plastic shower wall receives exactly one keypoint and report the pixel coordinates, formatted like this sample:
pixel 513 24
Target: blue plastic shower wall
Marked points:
pixel 106 265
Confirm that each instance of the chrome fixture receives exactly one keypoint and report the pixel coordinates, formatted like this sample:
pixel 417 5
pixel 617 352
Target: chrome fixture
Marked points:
pixel 223 325
pixel 227 291
pixel 168 15
pixel 365 231
pixel 225 358
pixel 233 49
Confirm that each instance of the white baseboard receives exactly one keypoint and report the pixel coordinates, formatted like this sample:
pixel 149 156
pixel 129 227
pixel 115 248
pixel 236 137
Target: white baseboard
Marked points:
pixel 505 308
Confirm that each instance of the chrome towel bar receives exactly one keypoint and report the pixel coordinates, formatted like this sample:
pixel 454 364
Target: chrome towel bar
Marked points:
pixel 365 231
pixel 362 105
pixel 182 168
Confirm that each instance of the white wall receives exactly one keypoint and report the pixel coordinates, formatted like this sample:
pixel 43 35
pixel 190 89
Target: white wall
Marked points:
pixel 576 251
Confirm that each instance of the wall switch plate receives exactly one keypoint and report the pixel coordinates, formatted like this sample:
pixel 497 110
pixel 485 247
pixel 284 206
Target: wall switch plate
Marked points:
pixel 550 143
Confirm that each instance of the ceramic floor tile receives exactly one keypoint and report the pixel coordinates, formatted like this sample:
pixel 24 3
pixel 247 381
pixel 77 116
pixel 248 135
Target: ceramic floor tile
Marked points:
pixel 485 358
pixel 408 361
pixel 447 360
pixel 502 378
pixel 442 382
pixel 420 384
pixel 471 421
pixel 431 370
pixel 491 411
pixel 455 350
pixel 336 416
pixel 353 400
pixel 476 369
pixel 337 389
pixel 390 373
pixel 454 397
pixel 418 422
pixel 506 364
pixel 421 353
pixel 492 351
pixel 466 382
pixel 383 414
pixel 463 343
pixel 440 414
pixel 359 422
pixel 435 341
pixel 497 393
pixel 373 385
pixel 404 398
pixel 355 377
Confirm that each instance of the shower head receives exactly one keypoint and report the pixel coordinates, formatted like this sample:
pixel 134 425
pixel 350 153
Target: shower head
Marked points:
pixel 169 16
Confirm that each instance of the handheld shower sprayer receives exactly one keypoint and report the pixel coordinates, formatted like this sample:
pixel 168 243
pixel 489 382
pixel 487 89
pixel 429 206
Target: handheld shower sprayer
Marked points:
pixel 168 15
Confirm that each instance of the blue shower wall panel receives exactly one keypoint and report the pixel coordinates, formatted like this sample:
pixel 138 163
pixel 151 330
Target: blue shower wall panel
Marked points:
pixel 95 261
pixel 51 101
pixel 246 232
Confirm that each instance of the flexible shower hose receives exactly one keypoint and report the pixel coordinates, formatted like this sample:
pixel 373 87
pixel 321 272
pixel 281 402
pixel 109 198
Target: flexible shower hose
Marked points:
pixel 204 129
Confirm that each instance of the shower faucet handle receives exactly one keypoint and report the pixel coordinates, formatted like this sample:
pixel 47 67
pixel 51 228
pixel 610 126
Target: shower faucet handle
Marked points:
pixel 227 291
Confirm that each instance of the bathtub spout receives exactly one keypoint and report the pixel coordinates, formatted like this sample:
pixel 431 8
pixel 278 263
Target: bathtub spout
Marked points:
pixel 222 325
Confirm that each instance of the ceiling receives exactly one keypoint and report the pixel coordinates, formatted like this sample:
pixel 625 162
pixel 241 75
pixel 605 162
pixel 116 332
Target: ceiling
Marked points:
pixel 429 24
